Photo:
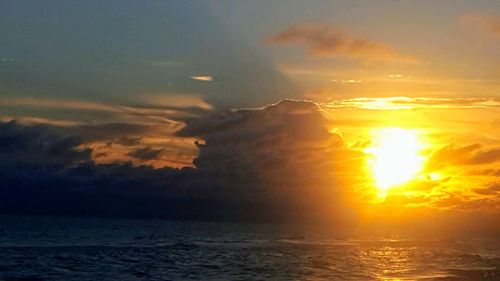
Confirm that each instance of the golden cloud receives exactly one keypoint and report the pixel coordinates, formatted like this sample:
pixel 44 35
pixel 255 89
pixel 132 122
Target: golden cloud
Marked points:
pixel 204 78
pixel 398 103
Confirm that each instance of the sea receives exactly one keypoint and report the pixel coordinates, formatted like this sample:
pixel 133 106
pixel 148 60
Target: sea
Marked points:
pixel 71 248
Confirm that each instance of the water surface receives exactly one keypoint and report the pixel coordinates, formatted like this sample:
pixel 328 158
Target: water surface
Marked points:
pixel 56 248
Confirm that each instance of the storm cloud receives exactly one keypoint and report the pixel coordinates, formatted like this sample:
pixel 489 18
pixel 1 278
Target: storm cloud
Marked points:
pixel 272 163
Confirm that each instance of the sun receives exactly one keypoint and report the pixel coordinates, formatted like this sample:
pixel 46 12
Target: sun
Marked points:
pixel 395 157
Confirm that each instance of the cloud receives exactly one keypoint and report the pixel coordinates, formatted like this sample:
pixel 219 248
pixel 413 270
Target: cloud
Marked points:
pixel 112 142
pixel 399 103
pixel 107 131
pixel 38 145
pixel 180 101
pixel 146 153
pixel 41 121
pixel 491 189
pixel 204 78
pixel 348 81
pixel 45 171
pixel 128 141
pixel 395 76
pixel 280 162
pixel 485 172
pixel 277 154
pixel 274 163
pixel 324 40
pixel 472 154
pixel 125 142
pixel 155 117
pixel 163 107
pixel 485 156
pixel 489 24
pixel 58 104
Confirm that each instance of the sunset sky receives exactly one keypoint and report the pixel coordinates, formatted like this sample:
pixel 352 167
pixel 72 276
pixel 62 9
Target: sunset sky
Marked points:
pixel 354 112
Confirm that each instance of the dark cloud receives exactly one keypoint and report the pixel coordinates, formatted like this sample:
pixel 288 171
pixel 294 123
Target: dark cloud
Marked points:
pixel 146 153
pixel 44 172
pixel 108 131
pixel 270 164
pixel 281 155
pixel 128 141
pixel 123 133
pixel 33 145
pixel 324 40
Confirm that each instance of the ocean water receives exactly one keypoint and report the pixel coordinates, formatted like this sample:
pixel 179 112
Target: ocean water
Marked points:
pixel 58 248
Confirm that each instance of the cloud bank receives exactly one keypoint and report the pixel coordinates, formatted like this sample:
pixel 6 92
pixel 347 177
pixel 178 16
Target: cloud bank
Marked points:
pixel 264 164
pixel 282 163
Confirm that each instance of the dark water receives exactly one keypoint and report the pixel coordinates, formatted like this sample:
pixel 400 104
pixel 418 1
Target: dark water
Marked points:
pixel 51 248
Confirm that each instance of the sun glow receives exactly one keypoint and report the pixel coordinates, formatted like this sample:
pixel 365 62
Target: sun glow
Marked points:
pixel 395 157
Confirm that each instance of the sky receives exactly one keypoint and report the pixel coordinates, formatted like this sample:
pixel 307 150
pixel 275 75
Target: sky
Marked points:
pixel 253 110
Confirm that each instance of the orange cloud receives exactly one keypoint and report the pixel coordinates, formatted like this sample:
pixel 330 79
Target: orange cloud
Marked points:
pixel 490 189
pixel 348 81
pixel 204 78
pixel 398 103
pixel 142 133
pixel 323 40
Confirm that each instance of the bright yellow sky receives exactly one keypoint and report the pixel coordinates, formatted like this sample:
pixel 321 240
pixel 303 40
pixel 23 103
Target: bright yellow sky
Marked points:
pixel 421 156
